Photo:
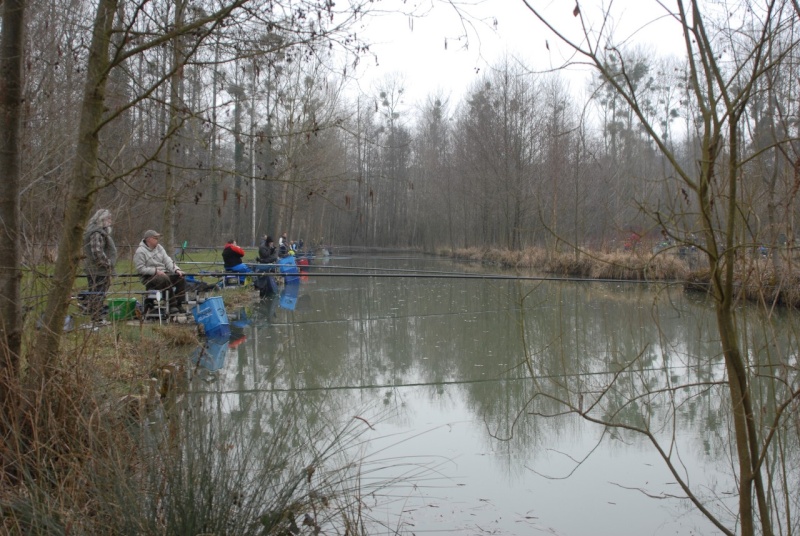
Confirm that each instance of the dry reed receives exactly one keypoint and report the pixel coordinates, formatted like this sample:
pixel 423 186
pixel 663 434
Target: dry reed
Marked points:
pixel 638 266
pixel 765 280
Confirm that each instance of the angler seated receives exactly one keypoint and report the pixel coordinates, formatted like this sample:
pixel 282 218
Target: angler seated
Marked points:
pixel 232 256
pixel 267 254
pixel 159 272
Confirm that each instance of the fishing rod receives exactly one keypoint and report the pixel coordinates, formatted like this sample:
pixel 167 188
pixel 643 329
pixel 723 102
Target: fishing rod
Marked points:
pixel 417 275
pixel 304 268
pixel 496 379
pixel 404 272
pixel 475 276
pixel 508 310
pixel 382 258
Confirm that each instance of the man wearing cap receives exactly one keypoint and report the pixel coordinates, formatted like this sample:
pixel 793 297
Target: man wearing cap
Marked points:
pixel 159 272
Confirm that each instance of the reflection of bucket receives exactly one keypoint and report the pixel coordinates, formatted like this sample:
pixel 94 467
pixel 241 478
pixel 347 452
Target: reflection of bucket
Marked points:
pixel 211 314
pixel 289 296
pixel 212 357
pixel 121 308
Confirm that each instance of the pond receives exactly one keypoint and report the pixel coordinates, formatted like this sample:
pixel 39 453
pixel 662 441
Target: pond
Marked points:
pixel 460 388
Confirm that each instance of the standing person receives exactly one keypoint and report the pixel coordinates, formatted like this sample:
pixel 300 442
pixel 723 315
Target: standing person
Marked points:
pixel 101 256
pixel 232 256
pixel 159 272
pixel 283 245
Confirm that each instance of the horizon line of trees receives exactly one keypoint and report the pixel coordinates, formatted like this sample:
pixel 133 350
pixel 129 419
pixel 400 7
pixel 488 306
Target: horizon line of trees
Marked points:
pixel 269 144
pixel 256 133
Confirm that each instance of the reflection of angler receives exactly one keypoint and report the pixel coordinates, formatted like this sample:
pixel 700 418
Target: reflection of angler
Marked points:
pixel 264 312
pixel 212 356
pixel 303 264
pixel 239 319
pixel 234 342
pixel 266 285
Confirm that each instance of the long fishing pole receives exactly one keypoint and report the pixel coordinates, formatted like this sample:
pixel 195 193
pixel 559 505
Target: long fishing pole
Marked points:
pixel 477 276
pixel 377 269
pixel 497 379
pixel 412 272
pixel 413 275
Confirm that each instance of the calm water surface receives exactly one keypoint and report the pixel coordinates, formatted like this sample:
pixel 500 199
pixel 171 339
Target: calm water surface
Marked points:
pixel 456 383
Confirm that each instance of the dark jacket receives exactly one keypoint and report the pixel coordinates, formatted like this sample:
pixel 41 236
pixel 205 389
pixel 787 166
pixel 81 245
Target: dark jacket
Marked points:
pixel 232 255
pixel 267 254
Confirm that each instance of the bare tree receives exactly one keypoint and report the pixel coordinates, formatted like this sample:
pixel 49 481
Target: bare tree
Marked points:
pixel 84 179
pixel 435 181
pixel 499 143
pixel 726 64
pixel 11 59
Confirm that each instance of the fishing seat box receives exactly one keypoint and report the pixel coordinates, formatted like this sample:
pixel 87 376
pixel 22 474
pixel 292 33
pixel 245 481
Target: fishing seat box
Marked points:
pixel 211 314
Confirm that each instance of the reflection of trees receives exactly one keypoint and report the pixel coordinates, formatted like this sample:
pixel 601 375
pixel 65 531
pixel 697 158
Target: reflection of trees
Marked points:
pixel 634 360
pixel 654 372
pixel 731 58
pixel 226 462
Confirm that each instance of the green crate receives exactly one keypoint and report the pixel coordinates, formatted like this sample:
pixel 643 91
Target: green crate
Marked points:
pixel 121 308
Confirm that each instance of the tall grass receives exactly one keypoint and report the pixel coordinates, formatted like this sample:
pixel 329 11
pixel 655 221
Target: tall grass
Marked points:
pixel 768 280
pixel 636 265
pixel 106 449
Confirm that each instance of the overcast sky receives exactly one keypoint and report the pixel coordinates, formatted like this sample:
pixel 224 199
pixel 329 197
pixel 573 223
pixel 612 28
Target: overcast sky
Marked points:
pixel 425 50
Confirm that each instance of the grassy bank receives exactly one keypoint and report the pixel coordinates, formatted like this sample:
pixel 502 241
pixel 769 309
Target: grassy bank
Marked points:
pixel 767 280
pixel 121 442
pixel 76 434
pixel 635 266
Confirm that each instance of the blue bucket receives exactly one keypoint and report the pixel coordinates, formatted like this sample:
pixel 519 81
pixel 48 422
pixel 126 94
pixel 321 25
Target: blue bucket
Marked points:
pixel 288 266
pixel 211 314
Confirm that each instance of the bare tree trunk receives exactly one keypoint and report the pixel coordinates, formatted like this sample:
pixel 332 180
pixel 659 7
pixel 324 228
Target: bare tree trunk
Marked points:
pixel 252 161
pixel 238 163
pixel 216 214
pixel 10 275
pixel 83 188
pixel 172 147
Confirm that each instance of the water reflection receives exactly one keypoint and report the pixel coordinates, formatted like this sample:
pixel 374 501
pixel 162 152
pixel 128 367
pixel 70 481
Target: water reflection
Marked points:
pixel 474 379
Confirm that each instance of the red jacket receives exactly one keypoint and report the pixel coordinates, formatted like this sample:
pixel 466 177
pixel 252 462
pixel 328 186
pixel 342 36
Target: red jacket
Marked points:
pixel 232 255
